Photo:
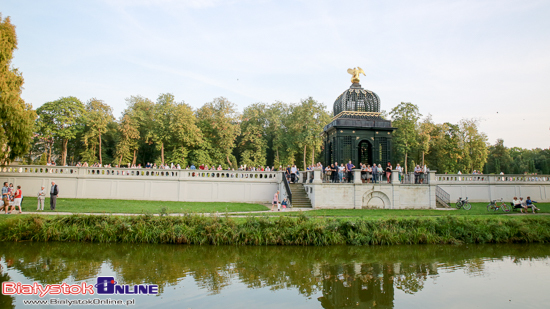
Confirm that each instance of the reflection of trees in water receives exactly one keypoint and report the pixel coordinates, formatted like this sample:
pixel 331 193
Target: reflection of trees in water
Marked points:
pixel 51 263
pixel 345 275
pixel 6 301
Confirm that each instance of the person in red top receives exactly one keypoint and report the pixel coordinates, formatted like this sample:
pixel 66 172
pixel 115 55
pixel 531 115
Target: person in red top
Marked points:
pixel 17 199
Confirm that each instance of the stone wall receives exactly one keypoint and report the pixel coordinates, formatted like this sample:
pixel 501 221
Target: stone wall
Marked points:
pixel 484 188
pixel 146 184
pixel 259 187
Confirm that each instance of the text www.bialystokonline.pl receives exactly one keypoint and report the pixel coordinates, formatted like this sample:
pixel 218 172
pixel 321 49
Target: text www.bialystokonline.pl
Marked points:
pixel 79 302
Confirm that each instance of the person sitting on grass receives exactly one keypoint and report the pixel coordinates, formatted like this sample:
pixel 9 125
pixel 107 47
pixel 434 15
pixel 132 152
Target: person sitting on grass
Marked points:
pixel 529 204
pixel 517 204
pixel 284 204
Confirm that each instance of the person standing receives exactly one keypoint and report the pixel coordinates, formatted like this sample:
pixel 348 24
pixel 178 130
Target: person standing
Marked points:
pixel 41 198
pixel 293 172
pixel 349 168
pixel 399 170
pixel 275 201
pixel 417 171
pixel 341 170
pixel 6 197
pixel 17 197
pixel 374 173
pixel 423 171
pixel 388 172
pixel 53 195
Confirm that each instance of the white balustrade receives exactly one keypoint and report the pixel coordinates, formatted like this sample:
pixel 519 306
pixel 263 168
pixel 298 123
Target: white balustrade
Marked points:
pixel 107 172
pixel 480 178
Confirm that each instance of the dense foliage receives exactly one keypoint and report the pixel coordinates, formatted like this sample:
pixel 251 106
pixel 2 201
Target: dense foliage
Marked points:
pixel 444 147
pixel 304 231
pixel 16 116
pixel 167 131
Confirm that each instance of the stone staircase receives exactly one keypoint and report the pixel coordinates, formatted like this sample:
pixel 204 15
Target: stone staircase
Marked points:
pixel 442 198
pixel 299 196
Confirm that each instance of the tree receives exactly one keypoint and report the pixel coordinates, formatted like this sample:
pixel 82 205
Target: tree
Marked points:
pixel 61 119
pixel 16 117
pixel 140 110
pixel 277 117
pixel 253 139
pixel 186 135
pixel 128 143
pixel 219 122
pixel 98 116
pixel 474 145
pixel 427 128
pixel 405 118
pixel 444 148
pixel 162 117
pixel 499 159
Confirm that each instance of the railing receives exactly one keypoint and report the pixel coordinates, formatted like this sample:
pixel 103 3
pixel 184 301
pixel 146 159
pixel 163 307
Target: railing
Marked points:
pixel 231 174
pixel 411 178
pixel 479 178
pixel 442 197
pixel 287 188
pixel 105 172
pixel 39 170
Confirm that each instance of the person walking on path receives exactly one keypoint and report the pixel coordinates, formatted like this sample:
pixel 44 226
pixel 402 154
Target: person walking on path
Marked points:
pixel 349 168
pixel 53 195
pixel 275 201
pixel 6 197
pixel 41 197
pixel 17 197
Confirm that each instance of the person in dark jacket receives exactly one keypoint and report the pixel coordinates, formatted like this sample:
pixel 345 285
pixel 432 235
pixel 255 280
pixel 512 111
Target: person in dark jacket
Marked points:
pixel 53 195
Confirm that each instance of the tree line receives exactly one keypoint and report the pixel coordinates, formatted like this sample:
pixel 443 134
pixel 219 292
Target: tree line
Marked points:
pixel 444 147
pixel 167 131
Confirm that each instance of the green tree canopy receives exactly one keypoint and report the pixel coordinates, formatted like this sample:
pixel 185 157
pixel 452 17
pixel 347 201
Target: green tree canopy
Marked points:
pixel 16 117
pixel 98 115
pixel 219 123
pixel 405 117
pixel 61 119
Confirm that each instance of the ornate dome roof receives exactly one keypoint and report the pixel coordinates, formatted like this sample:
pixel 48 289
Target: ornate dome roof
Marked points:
pixel 357 99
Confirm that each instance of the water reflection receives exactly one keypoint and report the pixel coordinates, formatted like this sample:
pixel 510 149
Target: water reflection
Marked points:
pixel 338 276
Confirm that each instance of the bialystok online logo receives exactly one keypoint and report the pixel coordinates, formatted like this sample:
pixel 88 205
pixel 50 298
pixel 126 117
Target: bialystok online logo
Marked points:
pixel 104 285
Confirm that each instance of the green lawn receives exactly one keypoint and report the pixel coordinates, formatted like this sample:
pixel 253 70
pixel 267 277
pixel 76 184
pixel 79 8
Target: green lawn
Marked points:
pixel 156 207
pixel 131 206
pixel 477 209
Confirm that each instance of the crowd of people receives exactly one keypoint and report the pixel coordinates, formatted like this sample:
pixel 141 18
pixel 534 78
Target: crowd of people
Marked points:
pixel 12 198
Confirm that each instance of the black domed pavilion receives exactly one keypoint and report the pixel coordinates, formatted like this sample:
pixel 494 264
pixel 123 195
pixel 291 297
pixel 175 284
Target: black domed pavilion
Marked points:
pixel 357 132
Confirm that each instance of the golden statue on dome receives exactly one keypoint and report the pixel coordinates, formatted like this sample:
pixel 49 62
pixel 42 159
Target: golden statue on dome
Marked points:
pixel 355 74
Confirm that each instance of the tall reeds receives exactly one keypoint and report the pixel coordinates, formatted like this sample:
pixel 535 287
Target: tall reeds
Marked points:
pixel 194 229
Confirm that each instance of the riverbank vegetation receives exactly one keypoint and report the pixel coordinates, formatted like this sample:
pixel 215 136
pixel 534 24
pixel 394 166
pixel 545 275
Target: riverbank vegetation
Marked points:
pixel 302 230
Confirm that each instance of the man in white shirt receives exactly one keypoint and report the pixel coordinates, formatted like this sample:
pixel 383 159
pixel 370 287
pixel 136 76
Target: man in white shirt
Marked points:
pixel 293 172
pixel 41 197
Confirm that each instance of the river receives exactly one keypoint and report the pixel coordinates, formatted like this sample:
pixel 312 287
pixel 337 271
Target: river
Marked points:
pixel 420 276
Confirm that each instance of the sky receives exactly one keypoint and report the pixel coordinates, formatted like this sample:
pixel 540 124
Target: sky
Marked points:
pixel 487 60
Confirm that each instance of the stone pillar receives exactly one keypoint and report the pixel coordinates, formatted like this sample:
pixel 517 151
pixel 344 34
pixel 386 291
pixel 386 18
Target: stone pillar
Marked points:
pixel 317 176
pixel 357 176
pixel 395 177
pixel 82 171
pixel 431 177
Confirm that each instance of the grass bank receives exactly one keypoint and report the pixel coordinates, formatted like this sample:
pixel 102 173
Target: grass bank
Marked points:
pixel 75 205
pixel 303 230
